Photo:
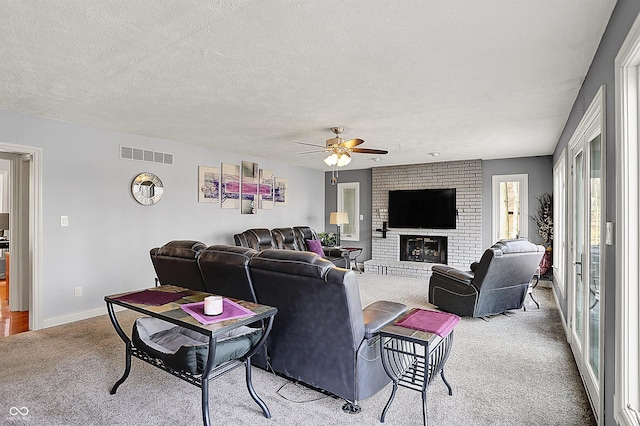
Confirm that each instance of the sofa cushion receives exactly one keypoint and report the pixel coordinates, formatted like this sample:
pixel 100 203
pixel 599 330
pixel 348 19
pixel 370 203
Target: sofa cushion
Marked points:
pixel 315 246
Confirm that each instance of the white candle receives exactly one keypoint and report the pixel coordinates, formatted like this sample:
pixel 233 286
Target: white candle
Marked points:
pixel 213 305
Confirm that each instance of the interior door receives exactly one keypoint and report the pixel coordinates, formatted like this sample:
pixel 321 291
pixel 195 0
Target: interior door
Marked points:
pixel 585 309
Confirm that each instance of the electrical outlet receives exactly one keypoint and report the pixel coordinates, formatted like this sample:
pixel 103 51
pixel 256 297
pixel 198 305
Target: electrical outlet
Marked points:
pixel 64 220
pixel 78 291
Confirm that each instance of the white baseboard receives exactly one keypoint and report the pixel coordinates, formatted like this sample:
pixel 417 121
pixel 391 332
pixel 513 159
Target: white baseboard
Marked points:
pixel 65 319
pixel 563 320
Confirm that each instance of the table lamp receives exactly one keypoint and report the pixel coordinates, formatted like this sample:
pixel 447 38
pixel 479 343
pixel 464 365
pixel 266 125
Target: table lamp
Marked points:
pixel 338 218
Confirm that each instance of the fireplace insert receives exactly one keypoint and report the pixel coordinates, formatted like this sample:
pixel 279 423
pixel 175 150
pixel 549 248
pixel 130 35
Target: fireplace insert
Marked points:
pixel 419 248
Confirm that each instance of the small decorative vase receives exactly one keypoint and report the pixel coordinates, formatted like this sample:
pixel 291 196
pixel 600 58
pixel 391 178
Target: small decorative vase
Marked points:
pixel 546 262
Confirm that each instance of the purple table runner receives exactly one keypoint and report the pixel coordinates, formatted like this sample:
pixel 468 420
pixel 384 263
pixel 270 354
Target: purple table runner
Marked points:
pixel 440 323
pixel 149 297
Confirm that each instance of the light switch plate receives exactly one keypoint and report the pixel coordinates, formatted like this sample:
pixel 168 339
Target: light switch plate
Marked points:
pixel 64 220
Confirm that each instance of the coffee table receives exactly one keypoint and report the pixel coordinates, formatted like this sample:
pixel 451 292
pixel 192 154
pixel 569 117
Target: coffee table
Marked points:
pixel 172 313
pixel 413 358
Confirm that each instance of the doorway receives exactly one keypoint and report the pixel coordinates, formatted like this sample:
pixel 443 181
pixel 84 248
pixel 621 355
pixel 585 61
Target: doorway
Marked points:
pixel 24 205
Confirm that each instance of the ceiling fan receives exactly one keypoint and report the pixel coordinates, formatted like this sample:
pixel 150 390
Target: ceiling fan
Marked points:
pixel 340 149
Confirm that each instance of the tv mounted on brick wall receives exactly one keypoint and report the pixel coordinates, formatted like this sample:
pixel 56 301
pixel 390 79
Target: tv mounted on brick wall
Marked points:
pixel 423 208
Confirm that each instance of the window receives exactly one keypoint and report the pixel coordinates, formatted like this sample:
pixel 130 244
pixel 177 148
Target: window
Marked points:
pixel 349 201
pixel 627 385
pixel 509 212
pixel 559 226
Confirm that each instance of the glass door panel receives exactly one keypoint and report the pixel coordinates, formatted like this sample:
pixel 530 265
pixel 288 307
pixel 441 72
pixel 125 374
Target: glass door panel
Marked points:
pixel 509 210
pixel 595 228
pixel 578 245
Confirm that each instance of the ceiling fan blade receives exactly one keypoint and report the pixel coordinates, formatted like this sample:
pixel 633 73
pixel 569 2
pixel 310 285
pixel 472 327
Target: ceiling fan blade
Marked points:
pixel 312 152
pixel 369 151
pixel 351 143
pixel 310 144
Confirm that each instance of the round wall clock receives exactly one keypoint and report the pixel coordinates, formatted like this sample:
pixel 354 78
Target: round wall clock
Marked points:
pixel 147 188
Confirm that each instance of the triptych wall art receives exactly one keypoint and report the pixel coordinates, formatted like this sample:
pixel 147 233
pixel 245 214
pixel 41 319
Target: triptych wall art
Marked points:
pixel 241 186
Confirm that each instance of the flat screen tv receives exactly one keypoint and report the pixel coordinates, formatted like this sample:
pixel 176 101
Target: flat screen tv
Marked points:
pixel 423 208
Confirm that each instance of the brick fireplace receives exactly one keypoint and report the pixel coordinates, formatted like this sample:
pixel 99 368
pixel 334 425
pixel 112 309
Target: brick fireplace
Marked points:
pixel 463 244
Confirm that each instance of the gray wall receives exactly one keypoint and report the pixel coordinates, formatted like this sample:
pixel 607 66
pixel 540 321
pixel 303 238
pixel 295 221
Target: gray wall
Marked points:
pixel 331 204
pixel 105 248
pixel 540 171
pixel 602 71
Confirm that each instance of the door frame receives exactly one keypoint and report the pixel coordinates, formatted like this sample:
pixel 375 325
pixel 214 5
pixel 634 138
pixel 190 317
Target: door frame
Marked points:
pixel 627 234
pixel 27 268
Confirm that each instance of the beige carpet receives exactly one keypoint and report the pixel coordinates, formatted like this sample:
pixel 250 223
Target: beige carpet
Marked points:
pixel 513 369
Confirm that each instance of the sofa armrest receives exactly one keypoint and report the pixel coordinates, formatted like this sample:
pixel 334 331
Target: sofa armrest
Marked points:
pixel 464 277
pixel 380 313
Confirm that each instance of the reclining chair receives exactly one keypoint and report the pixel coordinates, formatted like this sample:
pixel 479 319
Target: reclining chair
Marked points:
pixel 285 239
pixel 321 335
pixel 499 282
pixel 255 238
pixel 337 256
pixel 176 263
pixel 225 271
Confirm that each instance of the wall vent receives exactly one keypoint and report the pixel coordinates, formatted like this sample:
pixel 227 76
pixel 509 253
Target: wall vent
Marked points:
pixel 128 153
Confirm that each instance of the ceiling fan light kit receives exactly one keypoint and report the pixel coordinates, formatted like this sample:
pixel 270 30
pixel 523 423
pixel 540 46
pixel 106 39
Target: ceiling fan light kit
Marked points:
pixel 339 150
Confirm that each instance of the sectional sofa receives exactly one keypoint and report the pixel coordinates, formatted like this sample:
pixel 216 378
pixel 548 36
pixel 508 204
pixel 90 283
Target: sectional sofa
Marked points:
pixel 298 238
pixel 321 336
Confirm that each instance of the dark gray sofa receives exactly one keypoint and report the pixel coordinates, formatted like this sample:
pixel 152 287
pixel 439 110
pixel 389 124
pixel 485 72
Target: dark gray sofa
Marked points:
pixel 321 335
pixel 289 238
pixel 497 283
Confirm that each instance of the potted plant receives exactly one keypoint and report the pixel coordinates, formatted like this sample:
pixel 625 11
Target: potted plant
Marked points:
pixel 327 239
pixel 544 222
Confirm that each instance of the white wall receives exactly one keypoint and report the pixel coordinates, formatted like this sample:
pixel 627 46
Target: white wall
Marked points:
pixel 105 248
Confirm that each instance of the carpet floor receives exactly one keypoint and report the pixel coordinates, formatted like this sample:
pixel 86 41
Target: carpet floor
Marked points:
pixel 511 369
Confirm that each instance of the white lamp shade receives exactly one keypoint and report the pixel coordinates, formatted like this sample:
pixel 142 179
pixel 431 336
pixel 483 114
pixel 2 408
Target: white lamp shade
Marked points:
pixel 338 218
pixel 344 159
pixel 331 159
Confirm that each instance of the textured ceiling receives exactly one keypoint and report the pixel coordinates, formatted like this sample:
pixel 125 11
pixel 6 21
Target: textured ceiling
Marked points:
pixel 469 79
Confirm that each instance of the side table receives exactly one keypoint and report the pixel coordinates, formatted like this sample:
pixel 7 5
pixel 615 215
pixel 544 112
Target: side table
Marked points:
pixel 171 312
pixel 355 252
pixel 412 357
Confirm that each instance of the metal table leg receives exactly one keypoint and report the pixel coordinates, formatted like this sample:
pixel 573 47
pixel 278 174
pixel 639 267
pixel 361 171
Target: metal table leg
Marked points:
pixel 204 385
pixel 252 392
pixel 388 404
pixel 127 342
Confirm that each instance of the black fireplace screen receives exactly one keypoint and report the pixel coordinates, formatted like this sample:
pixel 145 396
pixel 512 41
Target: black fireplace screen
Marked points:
pixel 415 248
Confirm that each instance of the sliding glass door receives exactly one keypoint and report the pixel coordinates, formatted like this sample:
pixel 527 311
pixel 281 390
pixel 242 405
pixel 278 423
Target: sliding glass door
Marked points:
pixel 585 306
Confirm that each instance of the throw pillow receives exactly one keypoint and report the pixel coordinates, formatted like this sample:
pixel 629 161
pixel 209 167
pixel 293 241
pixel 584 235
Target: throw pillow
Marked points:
pixel 315 246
